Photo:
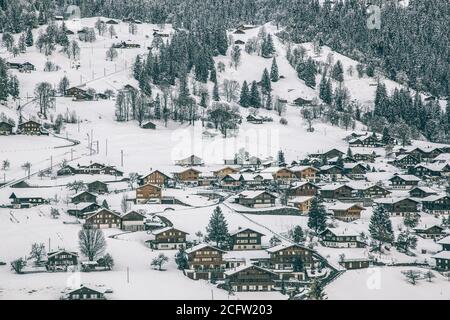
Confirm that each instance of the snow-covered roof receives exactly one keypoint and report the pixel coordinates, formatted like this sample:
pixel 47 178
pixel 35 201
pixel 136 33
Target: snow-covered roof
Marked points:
pixel 162 230
pixel 445 240
pixel 442 255
pixel 239 230
pixel 393 200
pixel 331 187
pixel 251 194
pixel 282 247
pixel 344 206
pixel 343 231
pixel 434 197
pixel 302 168
pixel 202 246
pixel 424 189
pixel 79 206
pixel 406 177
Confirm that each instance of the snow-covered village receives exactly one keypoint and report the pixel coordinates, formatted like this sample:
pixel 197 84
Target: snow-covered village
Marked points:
pixel 225 150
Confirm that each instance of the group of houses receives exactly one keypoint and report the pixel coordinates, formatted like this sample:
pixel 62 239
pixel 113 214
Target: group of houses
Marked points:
pixel 30 127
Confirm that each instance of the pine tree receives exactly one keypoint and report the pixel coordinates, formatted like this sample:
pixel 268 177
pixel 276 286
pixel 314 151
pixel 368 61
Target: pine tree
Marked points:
pixel 325 90
pixel 255 99
pixel 217 229
pixel 213 75
pixel 380 227
pixel 13 87
pixel 244 99
pixel 317 216
pixel 3 81
pixel 137 67
pixel 349 153
pixel 297 235
pixel 274 71
pixel 157 107
pixel 316 291
pixel 266 86
pixel 215 94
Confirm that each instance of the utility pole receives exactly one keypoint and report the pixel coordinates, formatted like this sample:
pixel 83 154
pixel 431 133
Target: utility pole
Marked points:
pixel 106 143
pixel 121 158
pixel 128 274
pixel 51 163
pixel 49 245
pixel 71 154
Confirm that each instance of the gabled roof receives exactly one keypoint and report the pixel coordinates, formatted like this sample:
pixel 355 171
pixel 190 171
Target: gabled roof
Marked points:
pixel 394 200
pixel 239 230
pixel 133 212
pixel 82 192
pixel 300 199
pixel 406 177
pixel 55 253
pixel 345 206
pixel 251 194
pixel 285 246
pixel 202 246
pixel 154 171
pixel 103 209
pixel 162 230
pixel 332 187
pixel 302 168
pixel 342 232
pixel 442 255
pixel 445 240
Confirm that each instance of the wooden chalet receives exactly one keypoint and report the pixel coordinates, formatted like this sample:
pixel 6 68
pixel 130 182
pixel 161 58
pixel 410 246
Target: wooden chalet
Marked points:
pixel 75 91
pixel 111 21
pixel 399 206
pixel 30 128
pixel 355 171
pixel 6 128
pixel 282 256
pixel 80 210
pixel 303 188
pixel 340 238
pixel 250 278
pixel 256 199
pixel 424 154
pixel 346 211
pixel 442 260
pixel 436 204
pixel 337 192
pixel 61 259
pixel 97 187
pixel 84 293
pixel 370 141
pixel 205 262
pixel 239 42
pixel 132 221
pixel 355 263
pixel 405 161
pixel 307 173
pixel 83 196
pixel 434 232
pixel 148 192
pixel 246 239
pixel 333 153
pixel 332 171
pixel 188 175
pixel 231 181
pixel 300 102
pixel 302 203
pixel 157 178
pixel 421 192
pixel 104 218
pixel 224 171
pixel 371 191
pixel 404 181
pixel 168 238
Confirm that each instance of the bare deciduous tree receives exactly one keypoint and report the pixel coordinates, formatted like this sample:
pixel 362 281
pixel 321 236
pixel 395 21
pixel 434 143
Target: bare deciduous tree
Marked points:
pixel 92 241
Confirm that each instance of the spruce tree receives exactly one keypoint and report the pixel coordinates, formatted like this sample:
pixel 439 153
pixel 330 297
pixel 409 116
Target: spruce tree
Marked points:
pixel 380 227
pixel 213 75
pixel 266 86
pixel 181 259
pixel 3 81
pixel 337 73
pixel 29 38
pixel 274 71
pixel 316 291
pixel 157 107
pixel 217 229
pixel 137 67
pixel 215 94
pixel 255 99
pixel 244 99
pixel 317 216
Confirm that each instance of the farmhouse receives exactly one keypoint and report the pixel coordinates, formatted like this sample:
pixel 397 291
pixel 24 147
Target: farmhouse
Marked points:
pixel 405 161
pixel 239 42
pixel 148 192
pixel 282 256
pixel 224 171
pixel 368 141
pixel 104 218
pixel 168 238
pixel 355 170
pixel 60 260
pixel 84 293
pixel 256 199
pixel 346 211
pixel 281 174
pixel 355 263
pixel 255 119
pixel 132 221
pixel 30 128
pixel 205 262
pixel 370 191
pixel 246 239
pixel 148 125
pixel 231 181
pixel 251 278
pixel 26 199
pixel 5 128
pixel 332 171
